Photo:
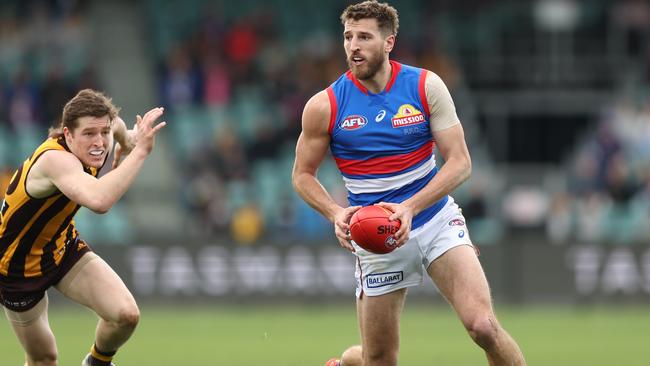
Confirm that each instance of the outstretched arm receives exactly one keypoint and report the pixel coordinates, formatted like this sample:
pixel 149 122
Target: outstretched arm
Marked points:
pixel 65 171
pixel 310 150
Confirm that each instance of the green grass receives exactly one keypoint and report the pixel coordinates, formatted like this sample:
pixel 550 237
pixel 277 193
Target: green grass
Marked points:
pixel 302 336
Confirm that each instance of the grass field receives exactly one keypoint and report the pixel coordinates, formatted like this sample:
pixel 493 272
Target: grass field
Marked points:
pixel 302 336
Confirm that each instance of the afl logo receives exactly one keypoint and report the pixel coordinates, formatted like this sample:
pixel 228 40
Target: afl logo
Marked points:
pixel 390 242
pixel 353 122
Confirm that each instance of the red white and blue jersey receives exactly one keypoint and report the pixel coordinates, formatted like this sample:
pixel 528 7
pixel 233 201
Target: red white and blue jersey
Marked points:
pixel 382 143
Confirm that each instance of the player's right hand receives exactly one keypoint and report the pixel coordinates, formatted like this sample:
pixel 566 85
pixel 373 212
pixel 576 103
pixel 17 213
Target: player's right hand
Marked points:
pixel 146 131
pixel 342 226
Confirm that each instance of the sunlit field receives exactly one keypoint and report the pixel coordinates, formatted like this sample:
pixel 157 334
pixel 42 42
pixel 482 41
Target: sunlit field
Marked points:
pixel 299 336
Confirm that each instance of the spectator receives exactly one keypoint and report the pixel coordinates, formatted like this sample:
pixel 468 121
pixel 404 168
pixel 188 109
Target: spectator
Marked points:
pixel 23 97
pixel 180 80
pixel 55 93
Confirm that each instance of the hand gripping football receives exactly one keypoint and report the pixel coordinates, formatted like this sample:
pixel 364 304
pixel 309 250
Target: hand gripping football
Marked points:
pixel 371 229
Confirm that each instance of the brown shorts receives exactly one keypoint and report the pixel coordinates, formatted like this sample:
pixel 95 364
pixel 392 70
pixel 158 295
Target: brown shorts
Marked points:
pixel 22 294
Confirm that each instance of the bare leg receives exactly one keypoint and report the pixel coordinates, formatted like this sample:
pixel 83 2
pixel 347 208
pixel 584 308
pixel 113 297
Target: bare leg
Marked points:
pixel 32 329
pixel 379 323
pixel 459 277
pixel 95 285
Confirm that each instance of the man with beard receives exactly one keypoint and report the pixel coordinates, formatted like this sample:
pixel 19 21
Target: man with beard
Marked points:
pixel 380 120
pixel 39 244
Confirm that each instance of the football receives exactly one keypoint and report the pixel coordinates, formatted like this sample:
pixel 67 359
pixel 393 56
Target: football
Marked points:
pixel 371 229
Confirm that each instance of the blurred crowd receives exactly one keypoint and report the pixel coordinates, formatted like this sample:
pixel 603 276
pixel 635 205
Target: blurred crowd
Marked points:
pixel 241 89
pixel 44 60
pixel 234 84
pixel 606 195
pixel 241 86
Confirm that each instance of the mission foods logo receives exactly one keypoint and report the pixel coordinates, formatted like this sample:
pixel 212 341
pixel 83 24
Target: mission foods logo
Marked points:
pixel 354 122
pixel 407 115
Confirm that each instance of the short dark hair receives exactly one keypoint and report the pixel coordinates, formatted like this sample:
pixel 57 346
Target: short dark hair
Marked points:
pixel 386 15
pixel 86 103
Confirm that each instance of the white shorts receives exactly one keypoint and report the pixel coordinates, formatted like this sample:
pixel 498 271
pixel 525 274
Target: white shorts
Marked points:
pixel 379 274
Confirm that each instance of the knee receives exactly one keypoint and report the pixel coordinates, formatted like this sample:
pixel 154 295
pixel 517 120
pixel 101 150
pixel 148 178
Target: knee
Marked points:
pixel 351 356
pixel 128 316
pixel 484 331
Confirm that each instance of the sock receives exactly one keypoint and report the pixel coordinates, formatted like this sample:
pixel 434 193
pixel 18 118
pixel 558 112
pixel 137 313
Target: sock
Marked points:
pixel 99 357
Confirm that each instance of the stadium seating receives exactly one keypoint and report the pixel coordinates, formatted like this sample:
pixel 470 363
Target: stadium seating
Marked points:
pixel 501 64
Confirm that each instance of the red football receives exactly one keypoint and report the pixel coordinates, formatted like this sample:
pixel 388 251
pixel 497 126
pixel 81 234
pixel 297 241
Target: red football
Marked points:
pixel 371 229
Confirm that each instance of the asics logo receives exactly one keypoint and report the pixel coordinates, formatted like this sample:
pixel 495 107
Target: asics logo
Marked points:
pixel 380 116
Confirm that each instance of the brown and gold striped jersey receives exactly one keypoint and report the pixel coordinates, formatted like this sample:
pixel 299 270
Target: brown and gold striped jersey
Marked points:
pixel 34 231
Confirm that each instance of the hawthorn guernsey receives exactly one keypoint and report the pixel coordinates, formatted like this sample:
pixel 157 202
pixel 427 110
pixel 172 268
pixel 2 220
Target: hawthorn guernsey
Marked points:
pixel 379 159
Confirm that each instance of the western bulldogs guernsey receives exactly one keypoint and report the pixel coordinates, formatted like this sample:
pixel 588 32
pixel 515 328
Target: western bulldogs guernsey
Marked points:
pixel 382 143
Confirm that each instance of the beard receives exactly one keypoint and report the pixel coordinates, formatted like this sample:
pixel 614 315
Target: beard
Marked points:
pixel 369 69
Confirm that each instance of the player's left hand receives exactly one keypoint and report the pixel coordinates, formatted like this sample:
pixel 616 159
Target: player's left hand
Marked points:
pixel 146 130
pixel 404 214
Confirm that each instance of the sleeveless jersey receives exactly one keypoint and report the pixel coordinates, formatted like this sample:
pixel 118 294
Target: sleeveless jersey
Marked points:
pixel 34 231
pixel 382 143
